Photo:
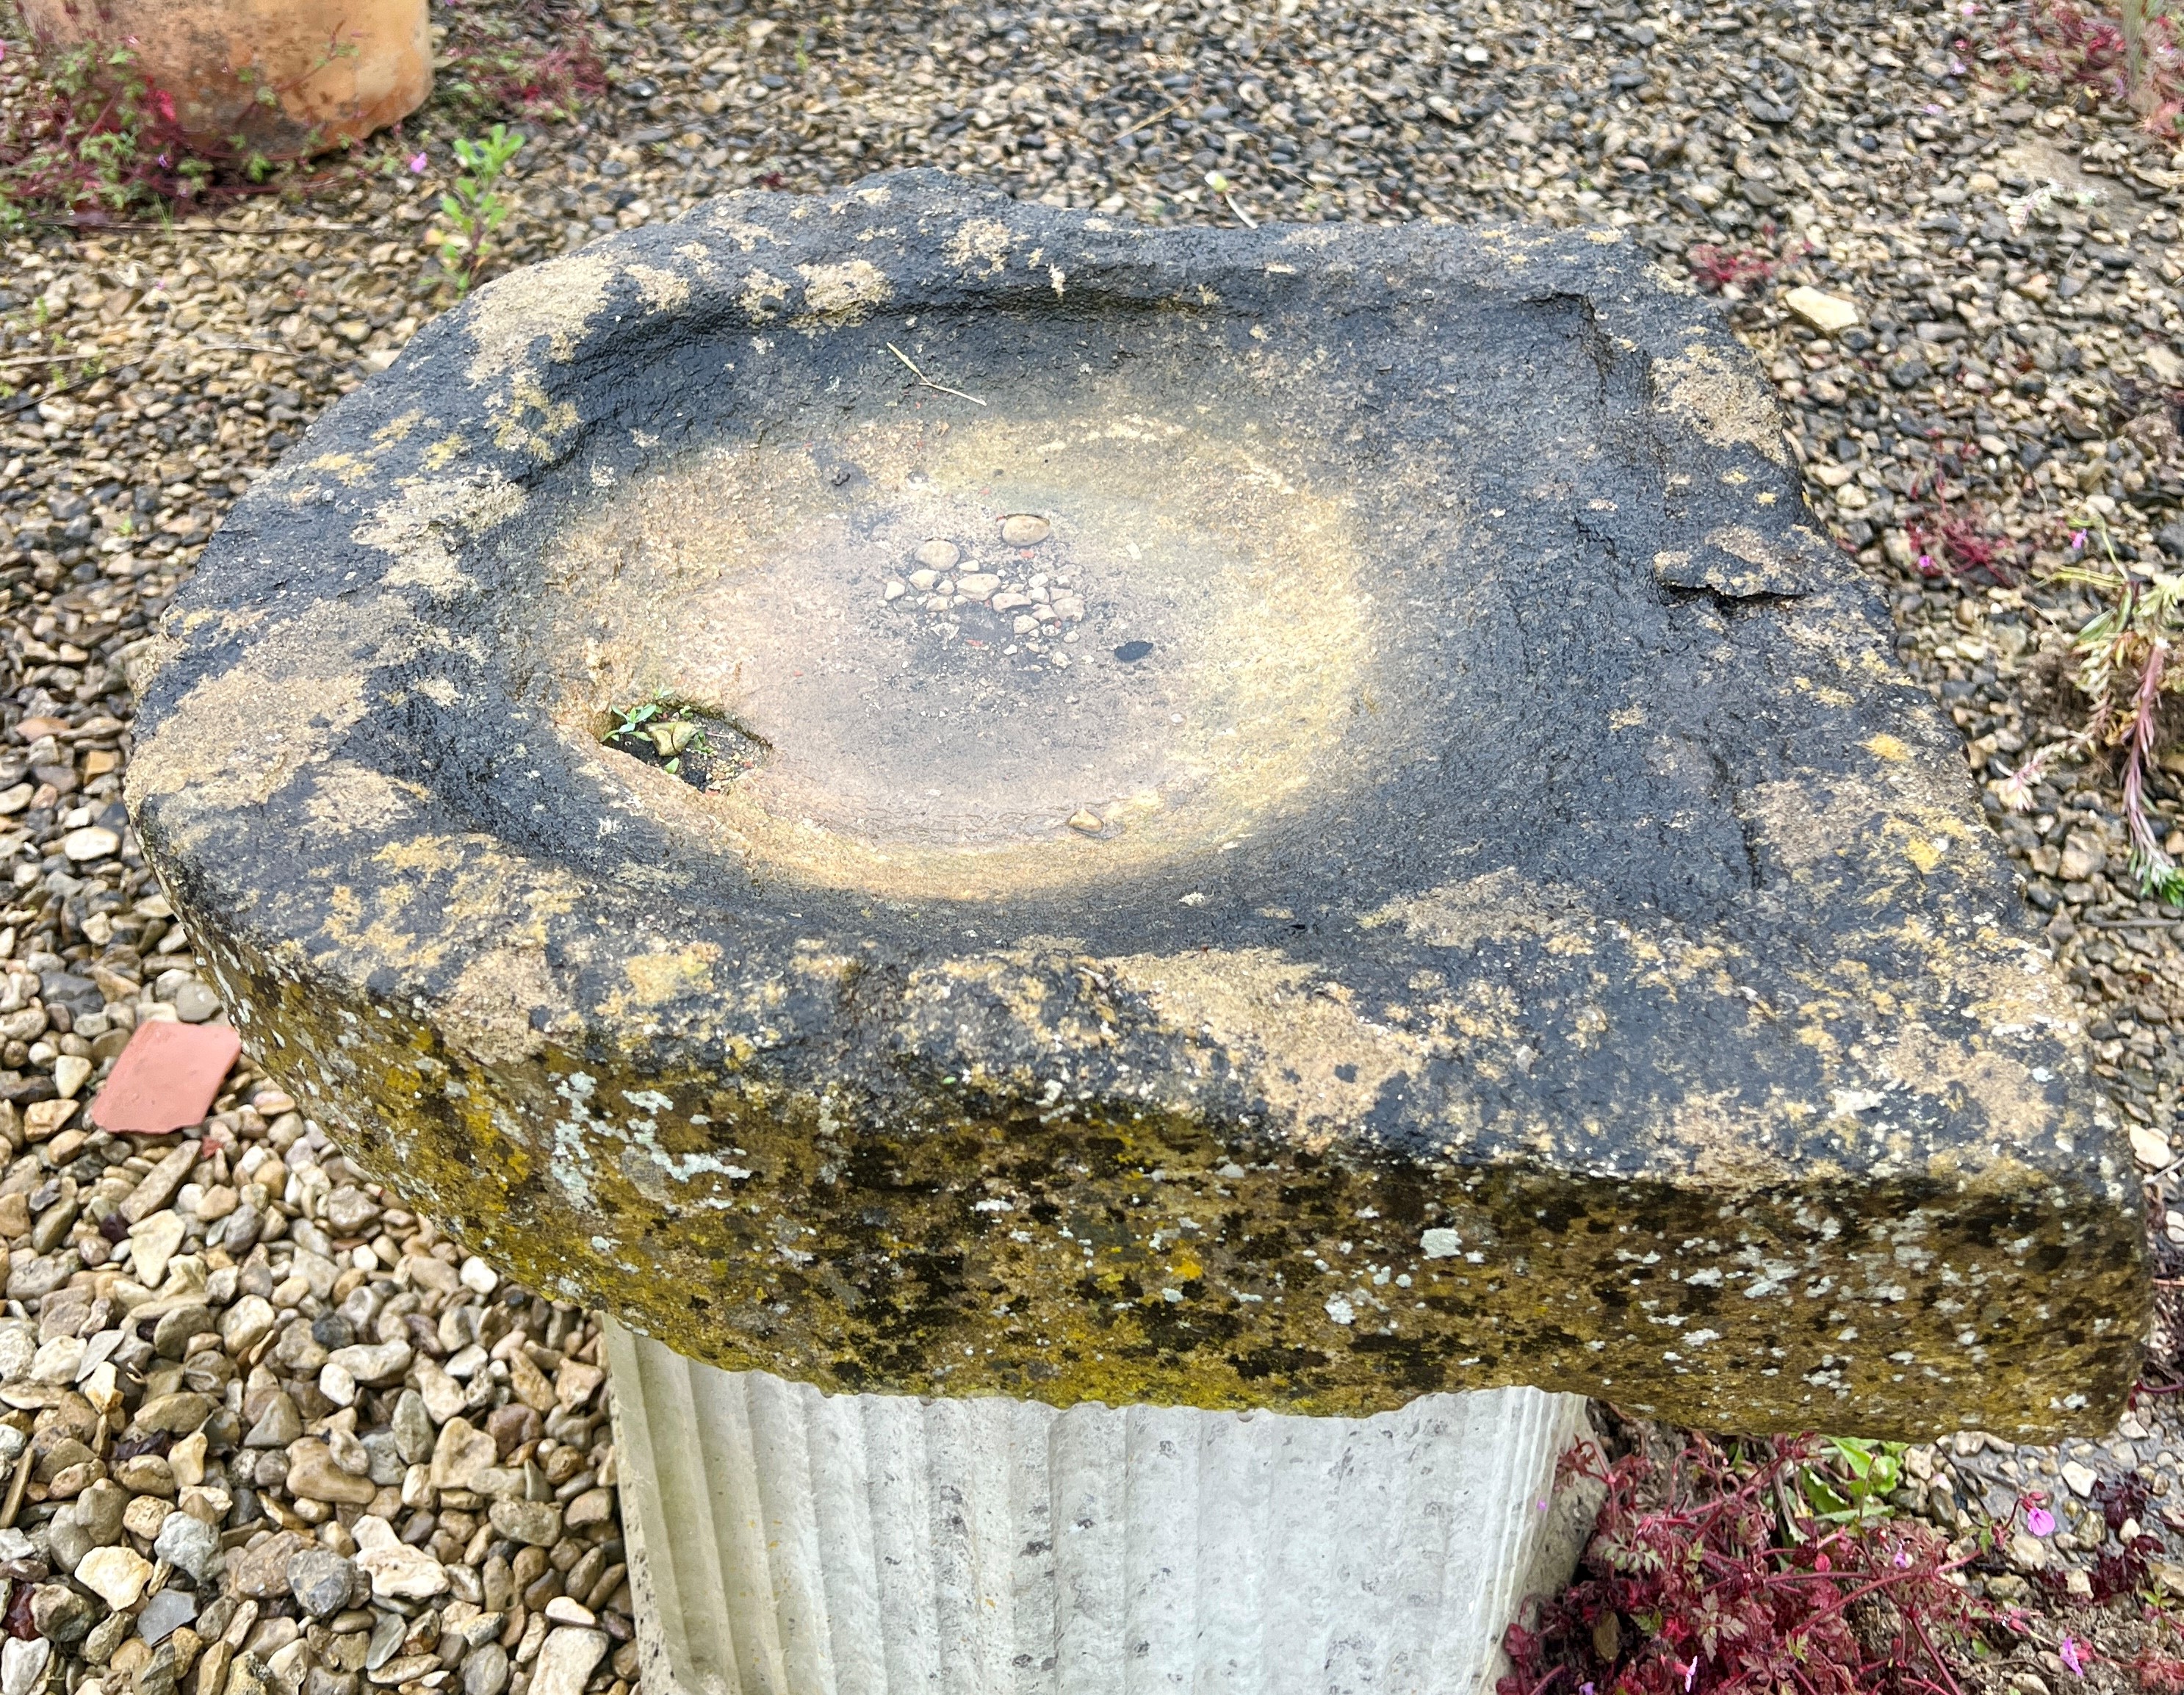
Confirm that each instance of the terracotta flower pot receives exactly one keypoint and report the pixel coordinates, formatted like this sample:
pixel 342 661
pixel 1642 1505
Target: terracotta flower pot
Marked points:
pixel 282 78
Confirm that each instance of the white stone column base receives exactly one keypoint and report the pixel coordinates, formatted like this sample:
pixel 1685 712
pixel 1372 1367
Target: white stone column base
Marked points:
pixel 786 1542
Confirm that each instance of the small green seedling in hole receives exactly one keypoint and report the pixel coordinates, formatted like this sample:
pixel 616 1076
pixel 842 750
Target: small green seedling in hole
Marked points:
pixel 473 207
pixel 669 727
pixel 1853 1479
pixel 636 718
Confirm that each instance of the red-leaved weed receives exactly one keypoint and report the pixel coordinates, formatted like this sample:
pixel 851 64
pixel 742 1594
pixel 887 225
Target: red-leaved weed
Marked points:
pixel 1956 546
pixel 1709 1580
pixel 82 133
pixel 2075 44
pixel 495 58
pixel 1714 268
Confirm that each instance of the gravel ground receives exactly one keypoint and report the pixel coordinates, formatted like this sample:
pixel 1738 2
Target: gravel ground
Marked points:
pixel 317 1448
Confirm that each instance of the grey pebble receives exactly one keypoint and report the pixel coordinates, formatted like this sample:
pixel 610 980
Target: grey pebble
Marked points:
pixel 485 1670
pixel 321 1580
pixel 164 1613
pixel 188 1544
pixel 387 1639
pixel 195 1003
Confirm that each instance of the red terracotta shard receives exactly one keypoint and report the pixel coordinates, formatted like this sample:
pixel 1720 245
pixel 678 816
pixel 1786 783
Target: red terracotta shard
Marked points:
pixel 165 1078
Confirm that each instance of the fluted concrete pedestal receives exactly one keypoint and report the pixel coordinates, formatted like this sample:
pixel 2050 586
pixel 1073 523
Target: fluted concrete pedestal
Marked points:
pixel 787 1542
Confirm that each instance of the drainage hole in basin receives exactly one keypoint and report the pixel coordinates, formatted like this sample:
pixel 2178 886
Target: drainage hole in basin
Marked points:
pixel 706 749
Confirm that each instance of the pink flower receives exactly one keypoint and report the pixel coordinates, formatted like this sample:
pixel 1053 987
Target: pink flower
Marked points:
pixel 1691 1673
pixel 2078 539
pixel 417 163
pixel 2040 1521
pixel 2068 1649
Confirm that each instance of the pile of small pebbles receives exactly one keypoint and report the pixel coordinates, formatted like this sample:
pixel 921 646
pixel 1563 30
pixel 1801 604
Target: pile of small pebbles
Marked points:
pixel 1011 595
pixel 265 1432
pixel 1961 276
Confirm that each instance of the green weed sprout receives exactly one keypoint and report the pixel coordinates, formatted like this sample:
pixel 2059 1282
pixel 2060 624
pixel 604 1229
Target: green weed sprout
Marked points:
pixel 2126 656
pixel 473 206
pixel 1853 1479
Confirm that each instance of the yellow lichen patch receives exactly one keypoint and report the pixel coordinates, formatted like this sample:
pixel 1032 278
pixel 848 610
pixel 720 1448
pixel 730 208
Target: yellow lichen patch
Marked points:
pixel 488 1014
pixel 746 235
pixel 428 853
pixel 2014 1105
pixel 1499 904
pixel 1318 1064
pixel 2015 990
pixel 348 799
pixel 1814 823
pixel 451 890
pixel 143 661
pixel 655 978
pixel 1724 1140
pixel 1721 400
pixel 444 452
pixel 236 737
pixel 347 468
pixel 557 300
pixel 847 291
pixel 399 428
pixel 1777 568
pixel 526 397
pixel 664 290
pixel 1885 746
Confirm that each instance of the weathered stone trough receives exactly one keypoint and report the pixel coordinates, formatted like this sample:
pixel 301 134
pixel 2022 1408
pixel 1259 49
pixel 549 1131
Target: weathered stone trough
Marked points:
pixel 1283 819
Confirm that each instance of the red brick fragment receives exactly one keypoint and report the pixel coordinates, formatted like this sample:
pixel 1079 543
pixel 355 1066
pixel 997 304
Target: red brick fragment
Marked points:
pixel 166 1078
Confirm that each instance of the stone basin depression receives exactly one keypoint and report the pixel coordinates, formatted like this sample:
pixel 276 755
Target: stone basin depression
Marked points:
pixel 1281 819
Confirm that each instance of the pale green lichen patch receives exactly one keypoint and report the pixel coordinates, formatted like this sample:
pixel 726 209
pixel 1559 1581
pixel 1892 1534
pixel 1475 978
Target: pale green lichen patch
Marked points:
pixel 848 291
pixel 426 522
pixel 554 302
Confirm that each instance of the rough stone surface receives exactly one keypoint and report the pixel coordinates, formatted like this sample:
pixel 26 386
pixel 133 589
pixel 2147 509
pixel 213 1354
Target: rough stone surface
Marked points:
pixel 1629 917
pixel 321 1580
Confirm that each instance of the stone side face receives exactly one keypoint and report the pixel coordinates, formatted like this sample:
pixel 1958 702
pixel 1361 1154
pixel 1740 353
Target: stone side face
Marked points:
pixel 790 1543
pixel 1629 1001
